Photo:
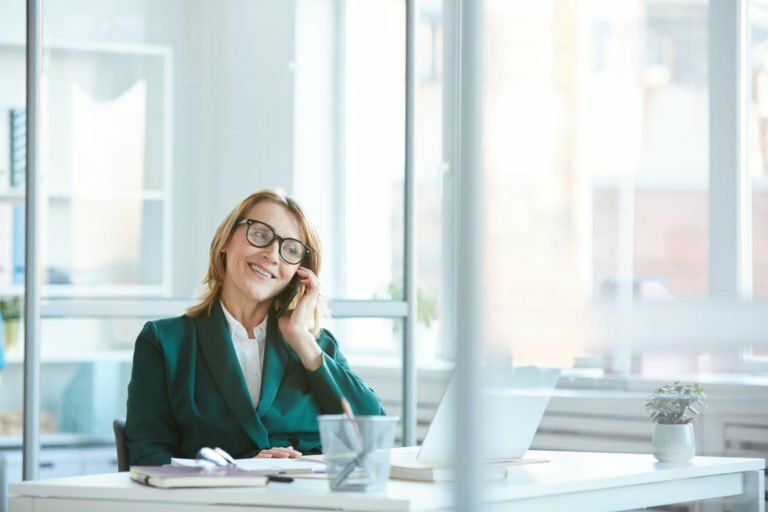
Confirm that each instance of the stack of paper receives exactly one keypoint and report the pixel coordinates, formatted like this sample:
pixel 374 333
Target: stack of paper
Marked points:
pixel 265 466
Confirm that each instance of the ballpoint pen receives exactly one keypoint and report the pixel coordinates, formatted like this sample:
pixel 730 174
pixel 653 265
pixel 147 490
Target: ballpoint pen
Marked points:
pixel 280 478
pixel 356 437
pixel 226 456
pixel 214 456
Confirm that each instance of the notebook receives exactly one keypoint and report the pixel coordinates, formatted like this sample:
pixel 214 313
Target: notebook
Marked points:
pixel 185 476
pixel 513 405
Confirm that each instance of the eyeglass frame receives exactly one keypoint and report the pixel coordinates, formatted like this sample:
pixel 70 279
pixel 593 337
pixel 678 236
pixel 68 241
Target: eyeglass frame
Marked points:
pixel 275 236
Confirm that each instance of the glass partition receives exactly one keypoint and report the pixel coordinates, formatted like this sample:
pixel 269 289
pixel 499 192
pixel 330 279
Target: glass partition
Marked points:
pixel 156 120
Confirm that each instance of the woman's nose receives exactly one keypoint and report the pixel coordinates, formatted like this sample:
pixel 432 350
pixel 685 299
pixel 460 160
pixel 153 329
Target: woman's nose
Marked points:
pixel 272 251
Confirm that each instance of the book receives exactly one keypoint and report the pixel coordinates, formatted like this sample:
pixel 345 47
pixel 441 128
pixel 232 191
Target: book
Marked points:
pixel 169 477
pixel 6 244
pixel 18 248
pixel 405 466
pixel 18 147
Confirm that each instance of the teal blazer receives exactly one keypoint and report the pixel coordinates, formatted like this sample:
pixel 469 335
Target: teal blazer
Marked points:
pixel 187 391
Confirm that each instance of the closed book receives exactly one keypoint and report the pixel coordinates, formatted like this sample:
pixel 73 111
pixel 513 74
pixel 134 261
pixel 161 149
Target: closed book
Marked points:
pixel 17 245
pixel 405 466
pixel 182 476
pixel 6 244
pixel 422 472
pixel 18 147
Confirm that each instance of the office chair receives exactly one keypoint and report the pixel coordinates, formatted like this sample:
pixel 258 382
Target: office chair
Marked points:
pixel 121 444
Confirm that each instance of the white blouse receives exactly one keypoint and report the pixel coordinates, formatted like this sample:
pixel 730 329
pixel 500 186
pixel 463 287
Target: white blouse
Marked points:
pixel 250 352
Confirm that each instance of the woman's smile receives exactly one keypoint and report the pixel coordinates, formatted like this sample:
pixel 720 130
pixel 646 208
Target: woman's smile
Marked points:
pixel 261 271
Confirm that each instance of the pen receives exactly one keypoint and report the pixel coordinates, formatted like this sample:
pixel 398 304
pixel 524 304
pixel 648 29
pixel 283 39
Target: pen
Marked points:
pixel 213 456
pixel 279 478
pixel 226 456
pixel 356 437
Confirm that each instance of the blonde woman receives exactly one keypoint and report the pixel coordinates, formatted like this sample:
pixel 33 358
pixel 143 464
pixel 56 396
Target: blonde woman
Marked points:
pixel 249 368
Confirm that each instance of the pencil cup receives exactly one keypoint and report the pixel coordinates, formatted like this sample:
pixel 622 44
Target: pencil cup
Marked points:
pixel 357 451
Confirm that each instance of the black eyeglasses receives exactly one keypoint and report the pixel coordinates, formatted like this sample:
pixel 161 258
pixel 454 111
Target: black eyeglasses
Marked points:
pixel 261 234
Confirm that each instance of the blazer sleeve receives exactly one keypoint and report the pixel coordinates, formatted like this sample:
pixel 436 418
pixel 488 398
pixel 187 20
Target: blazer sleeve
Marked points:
pixel 335 379
pixel 150 426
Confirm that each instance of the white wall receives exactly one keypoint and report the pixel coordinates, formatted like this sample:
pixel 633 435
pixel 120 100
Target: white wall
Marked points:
pixel 233 118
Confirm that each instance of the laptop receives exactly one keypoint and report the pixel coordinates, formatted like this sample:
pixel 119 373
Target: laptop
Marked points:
pixel 514 401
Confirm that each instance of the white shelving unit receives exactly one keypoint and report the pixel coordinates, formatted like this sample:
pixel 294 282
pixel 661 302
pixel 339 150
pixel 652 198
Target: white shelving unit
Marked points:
pixel 90 216
pixel 80 182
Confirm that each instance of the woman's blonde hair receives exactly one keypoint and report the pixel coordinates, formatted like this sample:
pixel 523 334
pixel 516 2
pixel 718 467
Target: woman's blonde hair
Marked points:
pixel 217 264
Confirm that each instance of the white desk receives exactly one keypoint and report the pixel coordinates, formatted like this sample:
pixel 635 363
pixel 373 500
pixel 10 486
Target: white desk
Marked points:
pixel 570 481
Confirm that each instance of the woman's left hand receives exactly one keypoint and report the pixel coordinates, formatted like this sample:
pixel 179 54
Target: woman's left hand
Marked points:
pixel 279 452
pixel 296 325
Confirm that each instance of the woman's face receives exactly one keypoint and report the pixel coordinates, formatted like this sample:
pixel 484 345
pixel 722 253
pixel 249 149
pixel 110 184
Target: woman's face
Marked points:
pixel 258 274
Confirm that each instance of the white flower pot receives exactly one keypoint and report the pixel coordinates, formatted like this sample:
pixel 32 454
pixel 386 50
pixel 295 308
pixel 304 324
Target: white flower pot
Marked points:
pixel 673 443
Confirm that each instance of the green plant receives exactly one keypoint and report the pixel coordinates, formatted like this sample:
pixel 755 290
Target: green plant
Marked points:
pixel 11 308
pixel 670 404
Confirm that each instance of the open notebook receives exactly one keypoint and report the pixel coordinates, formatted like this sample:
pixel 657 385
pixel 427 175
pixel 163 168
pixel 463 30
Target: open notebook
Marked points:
pixel 512 410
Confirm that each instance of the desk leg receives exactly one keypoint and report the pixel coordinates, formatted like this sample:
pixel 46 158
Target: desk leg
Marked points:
pixel 753 497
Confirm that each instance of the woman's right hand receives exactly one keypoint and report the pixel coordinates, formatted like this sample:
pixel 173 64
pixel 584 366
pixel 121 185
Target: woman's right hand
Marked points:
pixel 279 452
pixel 296 327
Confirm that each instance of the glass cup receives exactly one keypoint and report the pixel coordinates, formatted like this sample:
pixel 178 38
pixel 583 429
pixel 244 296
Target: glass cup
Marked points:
pixel 357 451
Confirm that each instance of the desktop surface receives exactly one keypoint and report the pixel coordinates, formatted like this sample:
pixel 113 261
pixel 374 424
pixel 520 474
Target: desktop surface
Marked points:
pixel 569 481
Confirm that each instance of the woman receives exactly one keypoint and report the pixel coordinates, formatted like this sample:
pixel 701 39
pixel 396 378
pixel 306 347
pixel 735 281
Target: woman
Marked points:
pixel 234 372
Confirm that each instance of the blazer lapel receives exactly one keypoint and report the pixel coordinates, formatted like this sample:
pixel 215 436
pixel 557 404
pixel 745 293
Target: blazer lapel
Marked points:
pixel 276 358
pixel 216 346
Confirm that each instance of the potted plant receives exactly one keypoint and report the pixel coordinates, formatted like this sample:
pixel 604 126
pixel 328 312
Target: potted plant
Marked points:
pixel 672 407
pixel 10 310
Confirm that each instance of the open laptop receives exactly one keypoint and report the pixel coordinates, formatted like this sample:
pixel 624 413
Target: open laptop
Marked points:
pixel 514 401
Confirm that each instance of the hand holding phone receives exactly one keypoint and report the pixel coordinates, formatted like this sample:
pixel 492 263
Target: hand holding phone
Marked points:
pixel 297 326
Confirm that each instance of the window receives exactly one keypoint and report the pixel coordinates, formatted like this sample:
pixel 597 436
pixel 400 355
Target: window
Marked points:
pixel 758 163
pixel 349 155
pixel 596 174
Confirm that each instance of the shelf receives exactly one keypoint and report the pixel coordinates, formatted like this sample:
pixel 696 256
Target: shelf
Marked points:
pixel 143 195
pixel 119 356
pixel 14 196
pixel 90 291
pixel 58 440
pixel 11 290
pixel 103 290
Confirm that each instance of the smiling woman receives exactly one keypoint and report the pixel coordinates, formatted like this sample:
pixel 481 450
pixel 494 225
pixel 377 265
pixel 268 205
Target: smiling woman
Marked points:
pixel 236 372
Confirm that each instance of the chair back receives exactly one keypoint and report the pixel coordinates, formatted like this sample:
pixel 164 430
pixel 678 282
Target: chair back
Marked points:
pixel 121 444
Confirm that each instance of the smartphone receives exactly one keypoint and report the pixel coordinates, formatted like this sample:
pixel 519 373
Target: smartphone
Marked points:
pixel 286 296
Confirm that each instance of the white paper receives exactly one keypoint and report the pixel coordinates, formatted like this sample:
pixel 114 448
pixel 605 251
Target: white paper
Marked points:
pixel 276 466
